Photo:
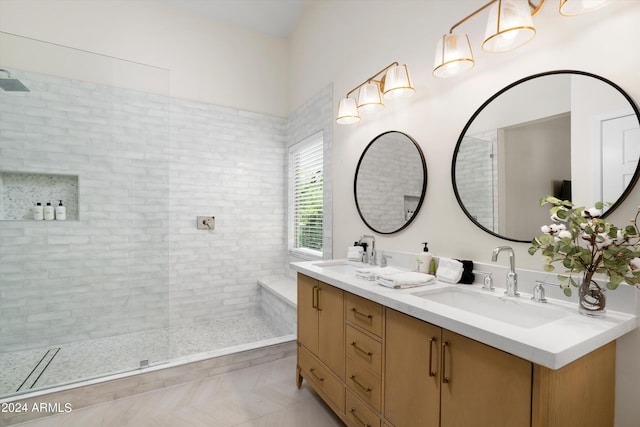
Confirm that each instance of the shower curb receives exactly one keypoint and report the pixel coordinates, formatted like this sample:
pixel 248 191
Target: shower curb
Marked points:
pixel 49 402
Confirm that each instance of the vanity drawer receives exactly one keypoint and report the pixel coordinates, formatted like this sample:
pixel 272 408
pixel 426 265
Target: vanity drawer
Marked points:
pixel 358 414
pixel 366 350
pixel 321 378
pixel 364 313
pixel 364 383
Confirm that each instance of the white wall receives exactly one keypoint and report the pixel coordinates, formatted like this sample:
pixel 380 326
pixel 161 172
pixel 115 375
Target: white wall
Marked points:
pixel 346 42
pixel 210 61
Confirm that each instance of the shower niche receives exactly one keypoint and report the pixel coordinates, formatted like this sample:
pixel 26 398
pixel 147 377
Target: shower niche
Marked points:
pixel 20 191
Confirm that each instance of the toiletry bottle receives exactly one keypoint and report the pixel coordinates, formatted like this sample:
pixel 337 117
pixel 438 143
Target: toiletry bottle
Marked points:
pixel 38 212
pixel 48 212
pixel 61 212
pixel 424 263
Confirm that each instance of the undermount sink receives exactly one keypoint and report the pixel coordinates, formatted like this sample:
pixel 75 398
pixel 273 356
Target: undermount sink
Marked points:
pixel 509 310
pixel 340 266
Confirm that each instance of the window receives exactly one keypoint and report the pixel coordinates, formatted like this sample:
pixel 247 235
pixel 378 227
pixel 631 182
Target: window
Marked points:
pixel 305 196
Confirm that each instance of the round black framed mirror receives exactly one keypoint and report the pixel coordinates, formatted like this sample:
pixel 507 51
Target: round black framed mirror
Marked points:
pixel 567 133
pixel 390 182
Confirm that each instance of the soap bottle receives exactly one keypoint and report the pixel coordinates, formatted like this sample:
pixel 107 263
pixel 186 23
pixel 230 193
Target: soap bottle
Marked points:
pixel 61 212
pixel 424 259
pixel 38 212
pixel 48 212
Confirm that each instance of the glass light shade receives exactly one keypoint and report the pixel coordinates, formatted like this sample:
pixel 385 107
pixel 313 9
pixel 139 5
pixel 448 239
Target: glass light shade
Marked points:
pixel 397 83
pixel 578 7
pixel 347 112
pixel 453 55
pixel 509 26
pixel 369 97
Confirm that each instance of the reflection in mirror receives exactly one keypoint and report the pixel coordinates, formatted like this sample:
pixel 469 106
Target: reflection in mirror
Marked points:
pixel 390 182
pixel 571 134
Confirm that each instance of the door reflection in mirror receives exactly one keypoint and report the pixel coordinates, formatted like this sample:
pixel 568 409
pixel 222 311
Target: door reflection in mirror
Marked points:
pixel 539 136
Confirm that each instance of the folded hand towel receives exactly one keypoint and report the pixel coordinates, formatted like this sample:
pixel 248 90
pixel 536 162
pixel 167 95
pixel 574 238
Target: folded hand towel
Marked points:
pixel 354 253
pixel 449 270
pixel 405 279
pixel 467 275
pixel 371 273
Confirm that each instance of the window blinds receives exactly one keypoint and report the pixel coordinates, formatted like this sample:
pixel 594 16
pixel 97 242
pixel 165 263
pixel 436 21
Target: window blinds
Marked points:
pixel 306 193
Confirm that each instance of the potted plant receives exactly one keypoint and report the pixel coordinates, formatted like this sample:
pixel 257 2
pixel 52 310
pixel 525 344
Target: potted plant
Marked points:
pixel 584 243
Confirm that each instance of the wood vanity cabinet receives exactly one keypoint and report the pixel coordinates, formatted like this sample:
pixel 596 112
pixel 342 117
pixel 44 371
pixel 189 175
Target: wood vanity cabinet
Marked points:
pixel 321 356
pixel 375 366
pixel 435 377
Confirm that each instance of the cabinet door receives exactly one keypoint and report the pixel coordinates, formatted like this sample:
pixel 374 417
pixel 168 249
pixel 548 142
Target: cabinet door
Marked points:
pixel 330 307
pixel 307 313
pixel 412 371
pixel 483 386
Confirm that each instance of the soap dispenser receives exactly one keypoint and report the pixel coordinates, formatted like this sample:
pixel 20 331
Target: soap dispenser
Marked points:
pixel 61 212
pixel 48 212
pixel 424 259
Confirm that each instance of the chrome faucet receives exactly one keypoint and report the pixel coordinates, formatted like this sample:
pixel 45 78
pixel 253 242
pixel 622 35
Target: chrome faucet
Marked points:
pixel 512 277
pixel 371 259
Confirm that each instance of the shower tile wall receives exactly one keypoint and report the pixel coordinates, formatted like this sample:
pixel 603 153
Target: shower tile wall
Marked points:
pixel 147 165
pixel 228 164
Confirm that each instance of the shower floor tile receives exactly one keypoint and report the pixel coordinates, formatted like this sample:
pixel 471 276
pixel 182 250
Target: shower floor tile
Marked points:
pixel 16 367
pixel 99 357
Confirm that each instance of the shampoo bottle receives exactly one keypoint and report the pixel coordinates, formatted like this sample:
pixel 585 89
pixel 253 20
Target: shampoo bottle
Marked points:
pixel 424 259
pixel 61 212
pixel 38 212
pixel 48 212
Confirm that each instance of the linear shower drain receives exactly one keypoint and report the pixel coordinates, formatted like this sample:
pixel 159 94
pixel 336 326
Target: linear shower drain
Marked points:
pixel 39 369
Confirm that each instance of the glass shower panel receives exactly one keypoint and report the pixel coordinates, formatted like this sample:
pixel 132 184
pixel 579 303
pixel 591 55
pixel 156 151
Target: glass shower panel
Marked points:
pixel 88 296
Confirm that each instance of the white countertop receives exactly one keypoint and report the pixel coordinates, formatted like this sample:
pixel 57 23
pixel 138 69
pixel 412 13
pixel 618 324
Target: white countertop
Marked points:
pixel 554 344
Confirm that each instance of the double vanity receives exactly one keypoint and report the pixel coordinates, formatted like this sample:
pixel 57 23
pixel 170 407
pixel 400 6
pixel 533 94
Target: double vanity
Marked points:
pixel 451 355
pixel 447 355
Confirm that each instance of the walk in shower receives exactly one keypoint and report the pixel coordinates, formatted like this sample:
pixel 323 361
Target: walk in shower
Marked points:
pixel 127 281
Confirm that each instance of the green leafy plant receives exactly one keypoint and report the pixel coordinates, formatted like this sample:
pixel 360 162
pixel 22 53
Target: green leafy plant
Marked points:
pixel 582 242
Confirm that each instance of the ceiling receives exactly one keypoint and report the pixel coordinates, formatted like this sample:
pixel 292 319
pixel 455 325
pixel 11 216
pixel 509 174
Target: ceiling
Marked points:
pixel 273 17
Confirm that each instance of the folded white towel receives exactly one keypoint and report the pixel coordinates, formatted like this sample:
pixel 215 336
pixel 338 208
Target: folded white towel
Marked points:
pixel 449 270
pixel 354 253
pixel 371 273
pixel 405 279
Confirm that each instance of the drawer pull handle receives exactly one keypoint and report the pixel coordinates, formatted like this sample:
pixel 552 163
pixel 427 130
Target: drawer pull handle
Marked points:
pixel 445 379
pixel 432 341
pixel 313 372
pixel 368 317
pixel 357 418
pixel 366 353
pixel 314 297
pixel 317 298
pixel 356 382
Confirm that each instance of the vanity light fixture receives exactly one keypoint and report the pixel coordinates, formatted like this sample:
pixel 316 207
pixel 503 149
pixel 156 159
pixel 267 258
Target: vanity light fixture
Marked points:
pixel 391 82
pixel 578 7
pixel 509 26
pixel 369 97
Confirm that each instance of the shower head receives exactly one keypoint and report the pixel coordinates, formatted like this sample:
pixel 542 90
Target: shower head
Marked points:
pixel 9 84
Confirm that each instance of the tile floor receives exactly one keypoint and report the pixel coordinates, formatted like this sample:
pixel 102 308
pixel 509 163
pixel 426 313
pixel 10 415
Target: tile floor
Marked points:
pixel 104 356
pixel 259 396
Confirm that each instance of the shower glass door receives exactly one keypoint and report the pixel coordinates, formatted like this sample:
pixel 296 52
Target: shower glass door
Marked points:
pixel 87 296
